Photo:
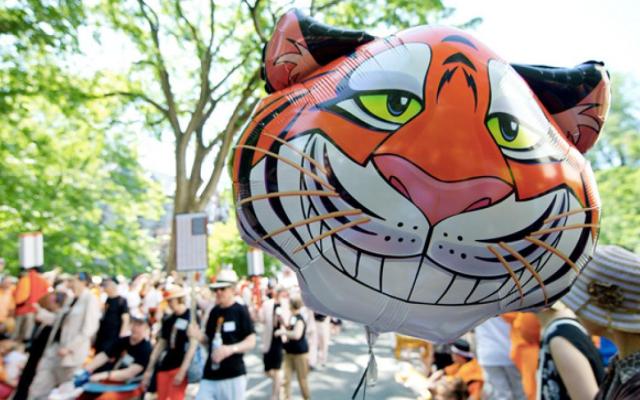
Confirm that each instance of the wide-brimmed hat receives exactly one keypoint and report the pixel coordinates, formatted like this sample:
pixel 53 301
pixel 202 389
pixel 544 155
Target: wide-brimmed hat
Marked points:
pixel 174 292
pixel 226 278
pixel 139 318
pixel 607 292
pixel 462 348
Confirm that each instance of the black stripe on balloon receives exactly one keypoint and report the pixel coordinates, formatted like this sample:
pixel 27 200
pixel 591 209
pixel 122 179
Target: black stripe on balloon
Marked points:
pixel 445 78
pixel 473 289
pixel 344 193
pixel 447 289
pixel 271 179
pixel 560 89
pixel 244 173
pixel 459 58
pixel 459 39
pixel 575 255
pixel 535 226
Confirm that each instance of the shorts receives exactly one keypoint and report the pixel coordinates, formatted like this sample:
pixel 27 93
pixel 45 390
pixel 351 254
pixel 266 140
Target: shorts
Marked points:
pixel 273 358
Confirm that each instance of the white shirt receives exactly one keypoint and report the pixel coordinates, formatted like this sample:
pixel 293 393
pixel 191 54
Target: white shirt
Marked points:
pixel 493 343
pixel 152 299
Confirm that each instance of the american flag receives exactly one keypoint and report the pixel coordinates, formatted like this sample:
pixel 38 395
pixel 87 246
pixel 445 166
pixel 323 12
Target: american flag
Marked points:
pixel 191 242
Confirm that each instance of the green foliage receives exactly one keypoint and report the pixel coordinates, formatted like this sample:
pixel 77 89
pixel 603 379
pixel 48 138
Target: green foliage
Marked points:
pixel 383 14
pixel 226 246
pixel 619 143
pixel 620 191
pixel 616 158
pixel 74 176
pixel 35 36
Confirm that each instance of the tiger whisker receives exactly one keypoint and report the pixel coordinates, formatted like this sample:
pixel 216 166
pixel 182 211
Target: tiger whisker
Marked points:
pixel 332 232
pixel 289 162
pixel 568 213
pixel 309 221
pixel 512 274
pixel 555 251
pixel 563 228
pixel 529 268
pixel 288 194
pixel 297 151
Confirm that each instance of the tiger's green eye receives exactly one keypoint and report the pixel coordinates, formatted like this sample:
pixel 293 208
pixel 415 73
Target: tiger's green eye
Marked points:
pixel 391 107
pixel 508 132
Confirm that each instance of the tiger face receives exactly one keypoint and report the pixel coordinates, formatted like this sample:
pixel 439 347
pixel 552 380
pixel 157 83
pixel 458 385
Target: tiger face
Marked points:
pixel 416 183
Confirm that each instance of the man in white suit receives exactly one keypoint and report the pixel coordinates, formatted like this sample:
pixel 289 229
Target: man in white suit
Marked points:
pixel 70 339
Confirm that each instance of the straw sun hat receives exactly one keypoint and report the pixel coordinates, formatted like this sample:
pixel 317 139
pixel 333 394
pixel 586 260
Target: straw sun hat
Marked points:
pixel 607 292
pixel 226 278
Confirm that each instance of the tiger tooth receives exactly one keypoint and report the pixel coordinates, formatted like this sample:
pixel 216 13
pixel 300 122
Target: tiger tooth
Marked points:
pixel 369 270
pixel 399 275
pixel 485 288
pixel 329 252
pixel 315 228
pixel 429 285
pixel 460 287
pixel 347 256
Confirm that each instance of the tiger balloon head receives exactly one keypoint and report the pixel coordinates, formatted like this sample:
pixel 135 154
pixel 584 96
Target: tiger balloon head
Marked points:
pixel 418 183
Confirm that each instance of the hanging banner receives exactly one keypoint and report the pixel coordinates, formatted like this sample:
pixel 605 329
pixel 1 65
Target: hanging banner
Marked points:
pixel 191 242
pixel 255 262
pixel 31 249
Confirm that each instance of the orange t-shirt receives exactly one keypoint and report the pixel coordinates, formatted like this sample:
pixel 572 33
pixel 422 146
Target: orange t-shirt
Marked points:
pixel 525 348
pixel 470 373
pixel 7 304
pixel 31 288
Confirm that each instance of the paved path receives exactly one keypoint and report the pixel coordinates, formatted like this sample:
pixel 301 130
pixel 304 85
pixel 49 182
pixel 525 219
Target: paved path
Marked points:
pixel 348 356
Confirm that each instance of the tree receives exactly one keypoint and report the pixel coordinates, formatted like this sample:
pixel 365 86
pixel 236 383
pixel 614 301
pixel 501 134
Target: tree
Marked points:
pixel 616 158
pixel 85 191
pixel 226 246
pixel 197 76
pixel 619 143
pixel 620 190
pixel 36 35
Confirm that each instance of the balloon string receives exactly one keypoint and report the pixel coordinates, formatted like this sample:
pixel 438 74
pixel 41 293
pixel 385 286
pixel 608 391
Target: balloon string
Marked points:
pixel 371 368
pixel 362 380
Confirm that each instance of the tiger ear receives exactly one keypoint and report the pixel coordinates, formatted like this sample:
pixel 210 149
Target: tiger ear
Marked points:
pixel 300 45
pixel 577 98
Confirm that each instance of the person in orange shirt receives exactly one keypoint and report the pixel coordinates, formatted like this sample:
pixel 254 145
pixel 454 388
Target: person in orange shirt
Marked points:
pixel 32 286
pixel 465 367
pixel 7 304
pixel 525 347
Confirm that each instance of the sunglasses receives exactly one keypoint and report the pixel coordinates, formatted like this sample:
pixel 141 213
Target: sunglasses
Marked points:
pixel 220 289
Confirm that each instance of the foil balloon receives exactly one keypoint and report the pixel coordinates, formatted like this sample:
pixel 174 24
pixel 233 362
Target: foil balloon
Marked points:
pixel 419 183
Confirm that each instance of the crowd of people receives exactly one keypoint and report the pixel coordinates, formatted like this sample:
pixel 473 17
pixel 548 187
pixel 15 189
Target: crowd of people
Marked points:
pixel 76 336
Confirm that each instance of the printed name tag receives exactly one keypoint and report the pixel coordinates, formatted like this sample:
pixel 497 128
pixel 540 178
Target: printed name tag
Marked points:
pixel 229 326
pixel 127 361
pixel 181 324
pixel 292 321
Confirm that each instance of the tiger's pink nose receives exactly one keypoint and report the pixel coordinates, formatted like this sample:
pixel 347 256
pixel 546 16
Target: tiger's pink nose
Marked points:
pixel 438 199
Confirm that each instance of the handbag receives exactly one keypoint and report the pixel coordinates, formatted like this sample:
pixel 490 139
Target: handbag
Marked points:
pixel 196 367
